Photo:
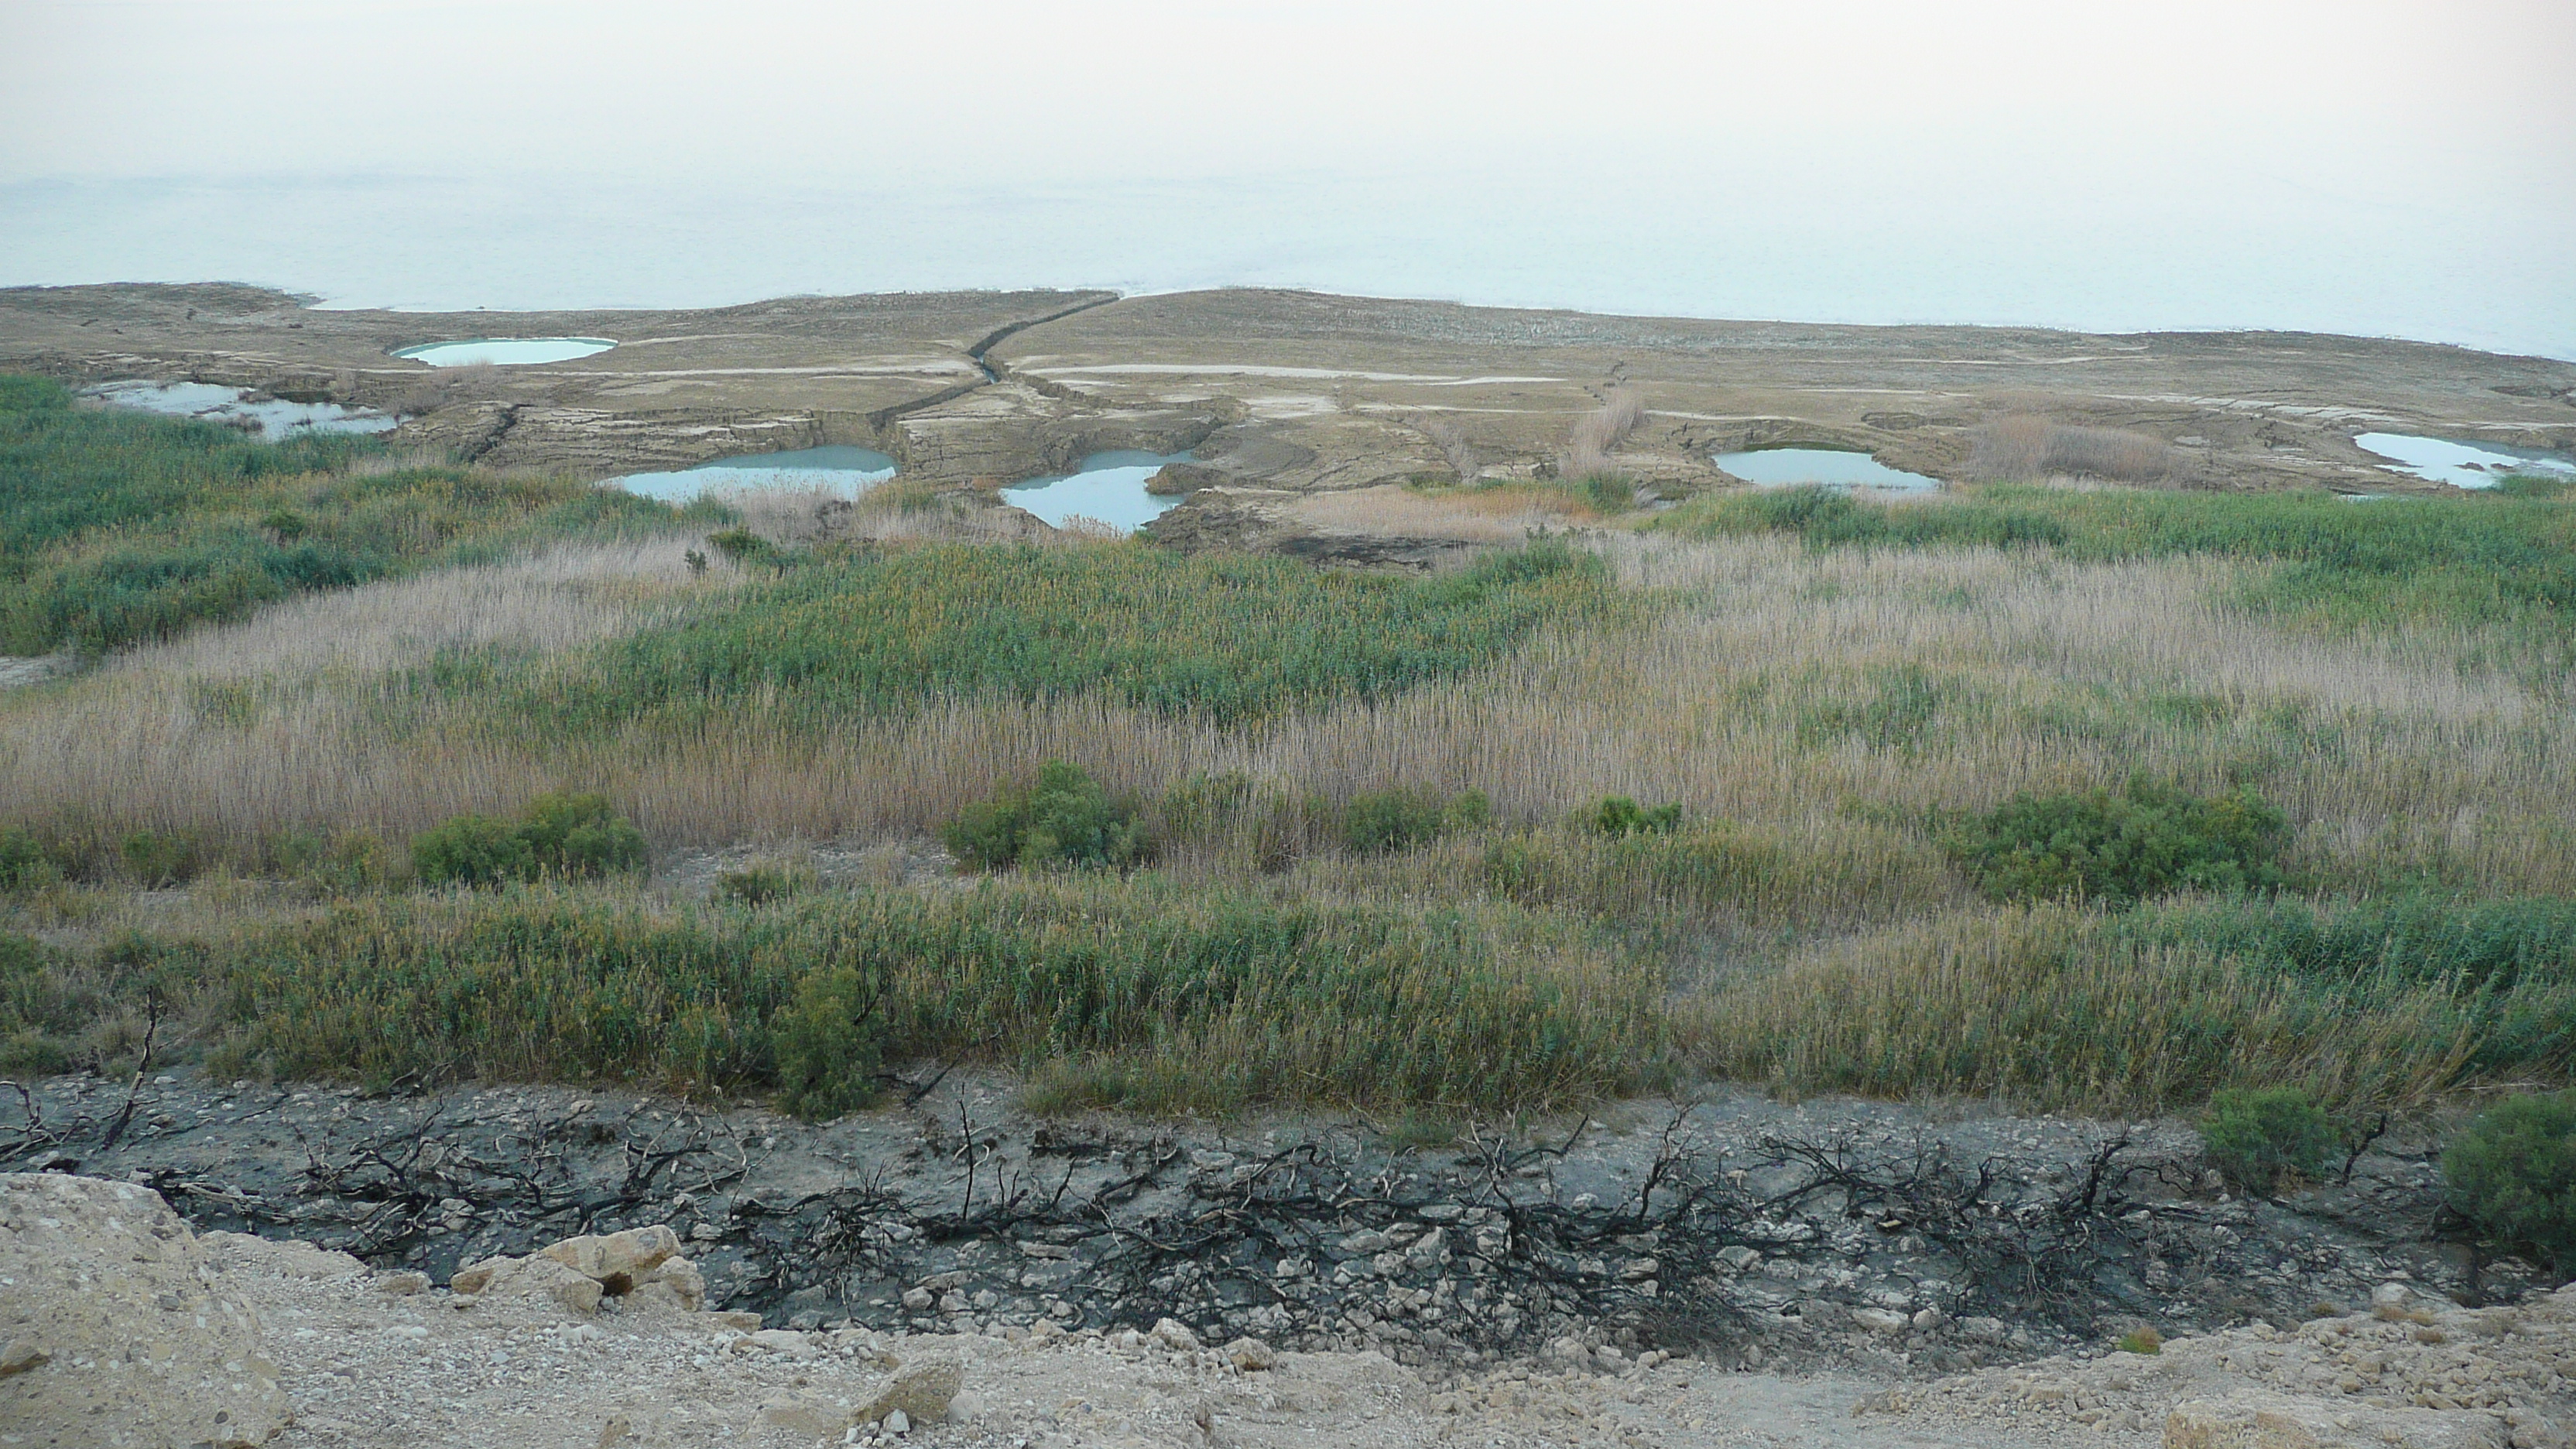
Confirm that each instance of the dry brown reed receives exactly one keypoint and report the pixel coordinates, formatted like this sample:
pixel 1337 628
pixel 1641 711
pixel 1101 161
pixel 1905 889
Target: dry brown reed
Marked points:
pixel 2026 448
pixel 1971 675
pixel 1451 440
pixel 1598 434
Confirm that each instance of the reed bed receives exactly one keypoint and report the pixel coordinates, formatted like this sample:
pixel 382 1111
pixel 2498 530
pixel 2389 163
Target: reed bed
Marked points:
pixel 1807 693
pixel 2059 1008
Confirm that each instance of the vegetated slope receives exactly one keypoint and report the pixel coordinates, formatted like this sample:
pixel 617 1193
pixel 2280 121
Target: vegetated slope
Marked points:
pixel 117 526
pixel 1919 815
pixel 1227 639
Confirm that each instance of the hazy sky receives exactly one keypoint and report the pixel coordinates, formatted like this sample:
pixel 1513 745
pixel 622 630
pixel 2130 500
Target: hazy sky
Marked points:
pixel 2414 134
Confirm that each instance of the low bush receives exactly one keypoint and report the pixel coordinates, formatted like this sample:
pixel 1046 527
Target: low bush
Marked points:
pixel 1377 821
pixel 831 1043
pixel 2114 848
pixel 762 883
pixel 2143 1341
pixel 2512 1174
pixel 2257 1139
pixel 562 835
pixel 154 860
pixel 24 861
pixel 1063 817
pixel 1620 815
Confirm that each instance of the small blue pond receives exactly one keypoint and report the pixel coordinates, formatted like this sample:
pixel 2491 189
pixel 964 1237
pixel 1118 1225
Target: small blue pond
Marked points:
pixel 1791 467
pixel 1109 487
pixel 843 470
pixel 2462 465
pixel 505 351
pixel 270 418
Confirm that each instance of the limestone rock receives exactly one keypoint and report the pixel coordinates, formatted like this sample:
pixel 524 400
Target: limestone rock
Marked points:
pixel 1251 1355
pixel 2254 1419
pixel 920 1392
pixel 112 1331
pixel 807 1417
pixel 536 1276
pixel 1175 1335
pixel 619 1260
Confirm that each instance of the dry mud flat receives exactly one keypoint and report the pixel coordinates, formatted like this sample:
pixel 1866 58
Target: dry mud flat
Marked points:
pixel 124 1328
pixel 1284 395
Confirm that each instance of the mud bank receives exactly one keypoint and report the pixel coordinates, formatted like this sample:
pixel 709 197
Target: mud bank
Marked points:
pixel 1749 1231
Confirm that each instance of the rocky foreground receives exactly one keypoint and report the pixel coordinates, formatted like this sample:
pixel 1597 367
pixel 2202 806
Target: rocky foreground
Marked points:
pixel 119 1326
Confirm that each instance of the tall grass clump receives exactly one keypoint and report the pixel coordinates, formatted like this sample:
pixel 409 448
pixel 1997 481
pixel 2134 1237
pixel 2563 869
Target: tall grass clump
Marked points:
pixel 1599 433
pixel 1131 992
pixel 2054 1008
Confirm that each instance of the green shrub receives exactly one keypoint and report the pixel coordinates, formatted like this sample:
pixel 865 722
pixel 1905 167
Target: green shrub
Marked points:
pixel 1619 815
pixel 831 1043
pixel 155 860
pixel 2142 1341
pixel 2512 1174
pixel 1063 817
pixel 2256 1138
pixel 580 836
pixel 24 861
pixel 1377 821
pixel 559 834
pixel 2098 846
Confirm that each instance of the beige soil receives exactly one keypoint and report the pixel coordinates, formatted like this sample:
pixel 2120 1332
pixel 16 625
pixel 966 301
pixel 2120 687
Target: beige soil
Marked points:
pixel 381 1359
pixel 1299 391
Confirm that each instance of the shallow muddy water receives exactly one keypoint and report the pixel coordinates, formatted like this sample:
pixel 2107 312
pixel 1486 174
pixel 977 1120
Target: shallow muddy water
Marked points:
pixel 1109 487
pixel 2462 465
pixel 843 470
pixel 1790 467
pixel 505 351
pixel 271 418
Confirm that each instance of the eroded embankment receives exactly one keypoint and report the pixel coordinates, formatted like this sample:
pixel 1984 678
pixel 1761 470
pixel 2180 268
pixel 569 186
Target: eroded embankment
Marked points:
pixel 1753 1231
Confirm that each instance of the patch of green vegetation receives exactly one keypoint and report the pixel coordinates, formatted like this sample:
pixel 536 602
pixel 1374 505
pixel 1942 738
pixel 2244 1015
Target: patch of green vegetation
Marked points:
pixel 1375 822
pixel 1621 815
pixel 2512 1174
pixel 1230 638
pixel 1062 818
pixel 2258 1138
pixel 2500 557
pixel 1904 702
pixel 559 835
pixel 1196 999
pixel 2097 846
pixel 2143 1341
pixel 118 525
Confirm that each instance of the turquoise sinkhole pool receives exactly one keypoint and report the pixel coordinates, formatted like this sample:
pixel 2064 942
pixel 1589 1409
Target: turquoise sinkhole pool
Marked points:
pixel 1792 467
pixel 2462 465
pixel 843 470
pixel 505 351
pixel 1108 487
